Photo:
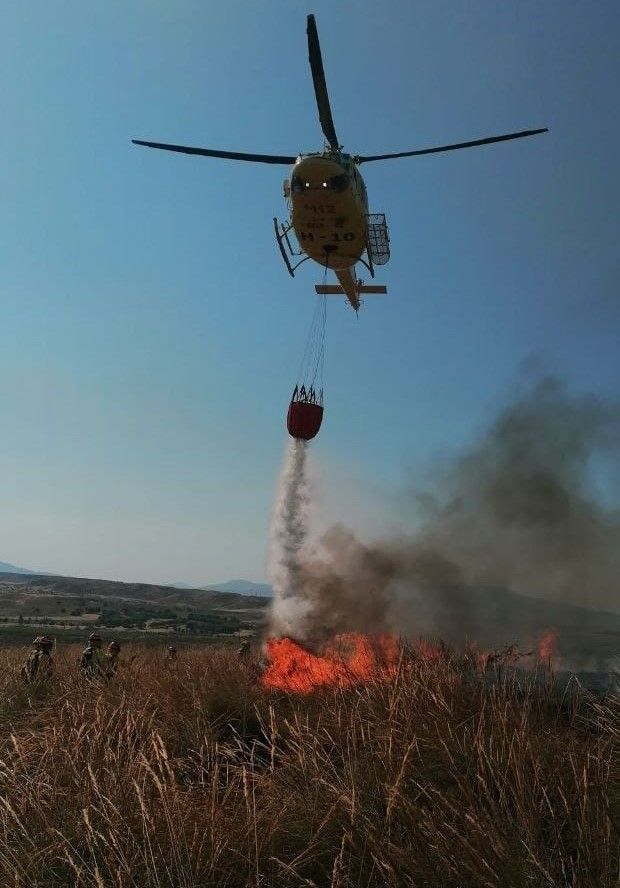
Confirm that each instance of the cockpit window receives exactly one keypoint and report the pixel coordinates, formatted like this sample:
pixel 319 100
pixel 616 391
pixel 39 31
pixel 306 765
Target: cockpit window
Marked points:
pixel 297 184
pixel 333 183
pixel 338 183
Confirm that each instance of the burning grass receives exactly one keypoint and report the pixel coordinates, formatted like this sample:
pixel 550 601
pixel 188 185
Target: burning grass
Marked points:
pixel 194 774
pixel 347 660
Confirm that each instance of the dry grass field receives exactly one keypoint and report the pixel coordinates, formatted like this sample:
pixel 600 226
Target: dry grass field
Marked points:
pixel 194 775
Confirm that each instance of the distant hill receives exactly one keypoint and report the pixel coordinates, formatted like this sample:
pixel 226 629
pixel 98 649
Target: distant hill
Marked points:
pixel 11 569
pixel 77 603
pixel 488 616
pixel 160 595
pixel 241 587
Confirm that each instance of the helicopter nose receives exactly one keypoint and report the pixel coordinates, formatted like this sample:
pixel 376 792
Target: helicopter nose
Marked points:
pixel 315 173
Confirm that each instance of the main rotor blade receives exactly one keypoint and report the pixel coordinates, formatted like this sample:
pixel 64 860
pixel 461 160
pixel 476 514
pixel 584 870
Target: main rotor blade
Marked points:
pixel 473 144
pixel 320 86
pixel 230 155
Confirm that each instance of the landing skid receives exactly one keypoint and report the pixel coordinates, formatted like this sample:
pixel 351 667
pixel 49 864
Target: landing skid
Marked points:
pixel 286 248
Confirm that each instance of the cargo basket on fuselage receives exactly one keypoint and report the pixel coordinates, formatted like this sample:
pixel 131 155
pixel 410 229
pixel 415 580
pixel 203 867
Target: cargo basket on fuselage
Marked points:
pixel 378 239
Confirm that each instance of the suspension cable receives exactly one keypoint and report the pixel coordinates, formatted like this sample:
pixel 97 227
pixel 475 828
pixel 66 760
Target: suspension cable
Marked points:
pixel 313 358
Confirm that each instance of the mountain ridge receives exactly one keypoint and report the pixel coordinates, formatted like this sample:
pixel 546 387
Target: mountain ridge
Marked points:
pixel 241 587
pixel 5 567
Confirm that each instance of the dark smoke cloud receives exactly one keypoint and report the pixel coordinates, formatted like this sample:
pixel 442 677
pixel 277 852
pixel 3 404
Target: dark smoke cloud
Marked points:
pixel 519 511
pixel 515 515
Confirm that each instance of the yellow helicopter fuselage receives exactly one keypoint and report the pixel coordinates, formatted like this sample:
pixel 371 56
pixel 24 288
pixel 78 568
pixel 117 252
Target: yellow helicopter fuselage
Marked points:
pixel 328 207
pixel 329 210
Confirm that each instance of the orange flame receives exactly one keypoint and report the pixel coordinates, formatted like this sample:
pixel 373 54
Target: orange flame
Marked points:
pixel 478 659
pixel 428 650
pixel 345 661
pixel 546 646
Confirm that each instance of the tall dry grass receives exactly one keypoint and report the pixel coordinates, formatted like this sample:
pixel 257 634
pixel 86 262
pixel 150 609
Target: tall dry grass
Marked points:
pixel 194 776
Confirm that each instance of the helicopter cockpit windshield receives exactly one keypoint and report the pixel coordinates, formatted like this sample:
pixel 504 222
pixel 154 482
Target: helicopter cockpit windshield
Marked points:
pixel 338 183
pixel 331 183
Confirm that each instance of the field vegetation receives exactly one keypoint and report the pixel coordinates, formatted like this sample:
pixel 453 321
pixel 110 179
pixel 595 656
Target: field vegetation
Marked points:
pixel 71 607
pixel 191 774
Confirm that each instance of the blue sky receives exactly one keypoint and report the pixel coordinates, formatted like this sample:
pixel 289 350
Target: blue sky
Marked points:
pixel 150 333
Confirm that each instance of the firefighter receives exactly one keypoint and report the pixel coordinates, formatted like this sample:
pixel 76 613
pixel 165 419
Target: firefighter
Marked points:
pixel 39 665
pixel 244 650
pixel 171 655
pixel 92 662
pixel 112 659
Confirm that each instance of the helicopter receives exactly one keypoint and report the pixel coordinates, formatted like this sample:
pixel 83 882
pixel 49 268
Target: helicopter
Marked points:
pixel 327 199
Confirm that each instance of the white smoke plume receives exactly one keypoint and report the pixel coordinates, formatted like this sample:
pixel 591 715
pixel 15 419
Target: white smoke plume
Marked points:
pixel 289 536
pixel 514 516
